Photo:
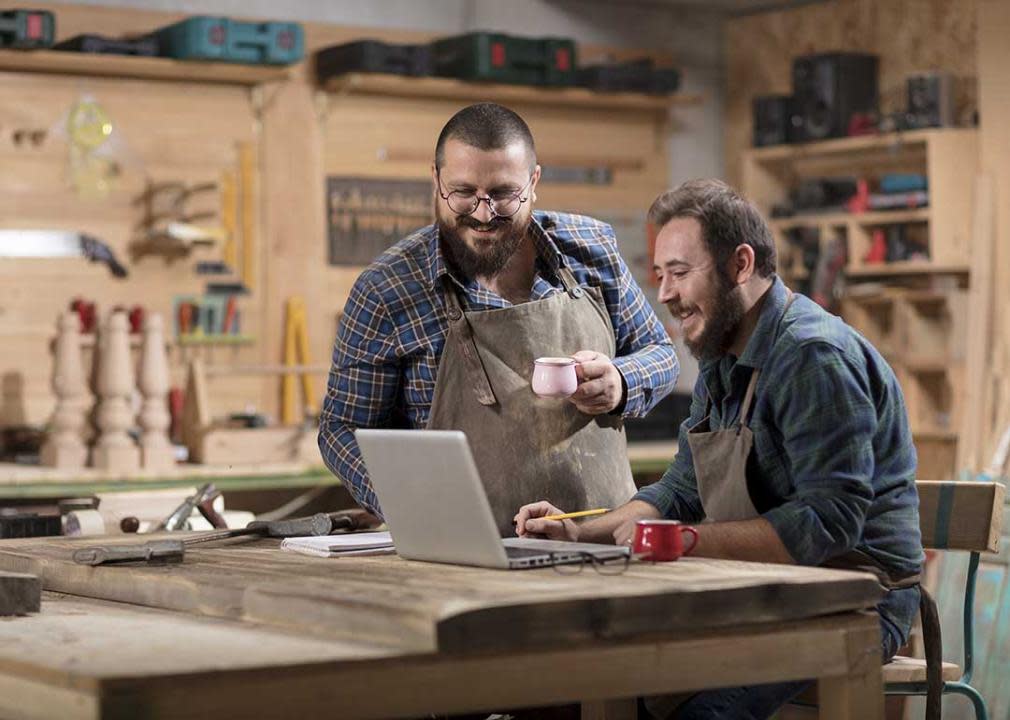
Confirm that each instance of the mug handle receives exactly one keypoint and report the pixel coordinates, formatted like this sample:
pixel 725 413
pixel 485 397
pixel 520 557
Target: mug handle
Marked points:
pixel 694 536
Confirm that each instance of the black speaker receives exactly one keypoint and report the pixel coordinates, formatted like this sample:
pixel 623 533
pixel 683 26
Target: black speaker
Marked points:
pixel 930 100
pixel 771 119
pixel 828 89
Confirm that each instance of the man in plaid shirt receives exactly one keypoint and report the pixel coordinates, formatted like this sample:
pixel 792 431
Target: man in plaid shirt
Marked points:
pixel 797 448
pixel 505 266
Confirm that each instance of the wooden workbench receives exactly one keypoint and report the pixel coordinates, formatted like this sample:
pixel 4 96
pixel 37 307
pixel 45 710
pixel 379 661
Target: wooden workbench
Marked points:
pixel 34 481
pixel 250 631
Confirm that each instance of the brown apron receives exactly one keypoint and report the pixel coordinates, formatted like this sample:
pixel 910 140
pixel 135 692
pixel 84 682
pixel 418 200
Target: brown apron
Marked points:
pixel 720 459
pixel 720 466
pixel 529 448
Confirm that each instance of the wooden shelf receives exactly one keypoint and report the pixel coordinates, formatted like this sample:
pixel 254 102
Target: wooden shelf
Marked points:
pixel 147 68
pixel 867 219
pixel 36 481
pixel 907 267
pixel 200 339
pixel 888 142
pixel 451 89
pixel 925 365
pixel 935 434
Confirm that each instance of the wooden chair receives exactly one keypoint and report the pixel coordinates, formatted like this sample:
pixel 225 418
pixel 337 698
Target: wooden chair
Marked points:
pixel 953 516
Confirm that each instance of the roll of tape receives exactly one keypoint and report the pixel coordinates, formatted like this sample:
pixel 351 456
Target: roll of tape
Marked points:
pixel 83 522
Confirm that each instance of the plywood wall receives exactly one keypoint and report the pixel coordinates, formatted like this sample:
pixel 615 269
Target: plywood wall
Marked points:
pixel 910 36
pixel 189 131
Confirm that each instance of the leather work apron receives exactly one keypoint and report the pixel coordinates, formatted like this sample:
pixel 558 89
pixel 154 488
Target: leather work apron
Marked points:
pixel 720 458
pixel 529 448
pixel 720 466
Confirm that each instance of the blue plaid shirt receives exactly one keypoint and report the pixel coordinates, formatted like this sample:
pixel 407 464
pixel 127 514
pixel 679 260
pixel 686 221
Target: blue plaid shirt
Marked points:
pixel 385 359
pixel 833 464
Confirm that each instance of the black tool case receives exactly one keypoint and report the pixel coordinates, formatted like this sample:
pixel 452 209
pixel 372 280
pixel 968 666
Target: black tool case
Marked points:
pixel 635 76
pixel 373 56
pixel 496 57
pixel 98 44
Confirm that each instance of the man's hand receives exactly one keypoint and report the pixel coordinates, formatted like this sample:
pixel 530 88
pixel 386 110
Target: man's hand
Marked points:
pixel 600 386
pixel 625 532
pixel 529 523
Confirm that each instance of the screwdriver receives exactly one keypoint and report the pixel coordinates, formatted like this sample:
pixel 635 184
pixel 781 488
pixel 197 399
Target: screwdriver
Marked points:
pixel 171 550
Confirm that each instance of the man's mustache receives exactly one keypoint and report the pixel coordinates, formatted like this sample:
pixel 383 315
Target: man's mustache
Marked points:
pixel 471 222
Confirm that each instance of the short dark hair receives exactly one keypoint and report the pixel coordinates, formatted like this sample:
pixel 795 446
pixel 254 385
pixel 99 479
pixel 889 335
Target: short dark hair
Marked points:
pixel 486 126
pixel 727 220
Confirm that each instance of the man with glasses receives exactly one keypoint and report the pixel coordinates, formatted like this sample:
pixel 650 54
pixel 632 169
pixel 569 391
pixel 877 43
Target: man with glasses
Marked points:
pixel 441 332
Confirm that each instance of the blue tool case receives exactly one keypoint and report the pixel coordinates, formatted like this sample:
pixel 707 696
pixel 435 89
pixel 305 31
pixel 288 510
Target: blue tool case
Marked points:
pixel 226 40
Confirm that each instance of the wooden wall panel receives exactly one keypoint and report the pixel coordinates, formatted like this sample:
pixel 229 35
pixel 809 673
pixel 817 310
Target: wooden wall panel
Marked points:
pixel 909 36
pixel 162 132
pixel 189 131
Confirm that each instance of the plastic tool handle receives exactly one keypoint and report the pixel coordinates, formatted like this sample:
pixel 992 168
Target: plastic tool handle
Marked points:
pixel 97 251
pixel 153 551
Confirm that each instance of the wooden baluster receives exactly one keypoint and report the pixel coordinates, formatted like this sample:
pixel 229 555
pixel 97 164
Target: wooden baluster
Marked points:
pixel 64 447
pixel 115 450
pixel 155 449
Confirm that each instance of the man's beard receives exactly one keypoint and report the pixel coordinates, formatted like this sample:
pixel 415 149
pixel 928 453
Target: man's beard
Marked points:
pixel 492 254
pixel 725 313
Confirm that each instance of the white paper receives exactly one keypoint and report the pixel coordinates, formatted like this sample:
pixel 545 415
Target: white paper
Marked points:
pixel 371 543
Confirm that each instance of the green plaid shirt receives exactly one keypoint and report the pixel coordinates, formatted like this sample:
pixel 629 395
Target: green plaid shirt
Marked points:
pixel 833 464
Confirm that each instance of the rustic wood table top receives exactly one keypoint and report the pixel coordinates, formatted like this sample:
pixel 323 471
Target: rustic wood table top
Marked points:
pixel 228 616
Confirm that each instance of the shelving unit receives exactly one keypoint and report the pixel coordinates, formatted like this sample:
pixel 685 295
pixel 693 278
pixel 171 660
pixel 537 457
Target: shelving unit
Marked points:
pixel 56 62
pixel 769 173
pixel 440 88
pixel 915 313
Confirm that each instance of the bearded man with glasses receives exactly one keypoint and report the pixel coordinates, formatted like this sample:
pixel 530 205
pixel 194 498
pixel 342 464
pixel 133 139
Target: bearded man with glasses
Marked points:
pixel 441 332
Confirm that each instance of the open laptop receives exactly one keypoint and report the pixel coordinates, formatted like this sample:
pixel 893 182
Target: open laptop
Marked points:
pixel 436 508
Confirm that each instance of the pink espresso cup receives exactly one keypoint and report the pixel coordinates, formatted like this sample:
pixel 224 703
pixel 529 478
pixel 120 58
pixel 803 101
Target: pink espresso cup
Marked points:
pixel 662 540
pixel 554 377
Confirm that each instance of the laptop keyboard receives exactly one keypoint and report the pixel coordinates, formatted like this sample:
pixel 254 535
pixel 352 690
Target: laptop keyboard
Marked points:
pixel 516 552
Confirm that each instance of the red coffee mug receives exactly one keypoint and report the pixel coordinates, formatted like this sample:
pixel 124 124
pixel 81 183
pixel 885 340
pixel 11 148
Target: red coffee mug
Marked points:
pixel 662 540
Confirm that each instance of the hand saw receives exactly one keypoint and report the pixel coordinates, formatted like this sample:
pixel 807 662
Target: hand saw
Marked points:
pixel 55 244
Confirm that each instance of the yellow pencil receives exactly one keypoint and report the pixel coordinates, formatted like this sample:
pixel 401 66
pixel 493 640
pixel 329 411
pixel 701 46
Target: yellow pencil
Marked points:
pixel 580 513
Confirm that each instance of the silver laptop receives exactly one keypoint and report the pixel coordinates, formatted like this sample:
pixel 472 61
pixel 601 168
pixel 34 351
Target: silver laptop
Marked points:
pixel 436 508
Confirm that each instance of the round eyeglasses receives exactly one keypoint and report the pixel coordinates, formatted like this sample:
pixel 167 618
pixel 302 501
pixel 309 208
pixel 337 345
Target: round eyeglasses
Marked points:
pixel 466 202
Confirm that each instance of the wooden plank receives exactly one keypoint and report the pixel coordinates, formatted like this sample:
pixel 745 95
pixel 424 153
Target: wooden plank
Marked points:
pixel 426 606
pixel 452 89
pixel 978 339
pixel 908 267
pixel 961 515
pixel 55 62
pixel 143 658
pixel 19 593
pixel 859 695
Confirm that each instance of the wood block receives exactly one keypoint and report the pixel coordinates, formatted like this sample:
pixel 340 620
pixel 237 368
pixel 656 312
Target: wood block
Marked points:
pixel 961 515
pixel 20 593
pixel 227 446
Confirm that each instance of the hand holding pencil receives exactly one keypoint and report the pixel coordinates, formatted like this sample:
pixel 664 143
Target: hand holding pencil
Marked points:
pixel 544 520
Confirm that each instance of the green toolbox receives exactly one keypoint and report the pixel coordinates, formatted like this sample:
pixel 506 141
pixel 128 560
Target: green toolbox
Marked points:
pixel 226 40
pixel 26 29
pixel 495 57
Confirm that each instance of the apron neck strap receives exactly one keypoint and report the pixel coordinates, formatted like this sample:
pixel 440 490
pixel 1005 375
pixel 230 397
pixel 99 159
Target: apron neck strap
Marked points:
pixel 569 282
pixel 748 397
pixel 459 328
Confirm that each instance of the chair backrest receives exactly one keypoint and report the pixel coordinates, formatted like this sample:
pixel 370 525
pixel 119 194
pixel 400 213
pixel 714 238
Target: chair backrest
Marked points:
pixel 957 515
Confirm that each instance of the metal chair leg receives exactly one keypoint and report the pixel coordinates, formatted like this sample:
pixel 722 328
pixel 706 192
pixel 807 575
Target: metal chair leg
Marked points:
pixel 981 711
